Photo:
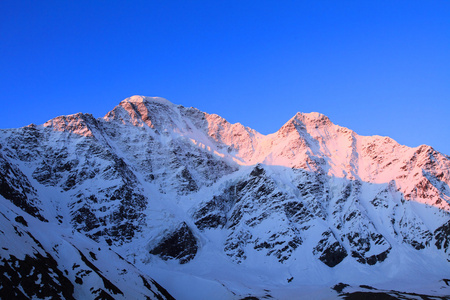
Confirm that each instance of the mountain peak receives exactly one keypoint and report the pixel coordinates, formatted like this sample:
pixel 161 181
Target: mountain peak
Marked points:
pixel 139 110
pixel 145 99
pixel 312 118
pixel 77 123
pixel 304 121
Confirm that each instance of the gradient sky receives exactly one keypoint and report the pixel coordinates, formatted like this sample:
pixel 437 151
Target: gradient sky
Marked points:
pixel 376 67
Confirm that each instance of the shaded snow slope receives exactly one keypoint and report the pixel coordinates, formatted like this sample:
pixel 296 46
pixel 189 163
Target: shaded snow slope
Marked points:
pixel 211 209
pixel 40 260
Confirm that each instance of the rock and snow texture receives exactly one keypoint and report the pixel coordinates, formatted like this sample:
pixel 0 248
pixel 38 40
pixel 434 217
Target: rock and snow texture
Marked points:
pixel 40 260
pixel 156 191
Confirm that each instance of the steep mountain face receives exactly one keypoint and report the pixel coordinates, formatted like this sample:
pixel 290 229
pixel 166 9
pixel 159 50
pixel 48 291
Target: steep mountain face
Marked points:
pixel 187 198
pixel 39 261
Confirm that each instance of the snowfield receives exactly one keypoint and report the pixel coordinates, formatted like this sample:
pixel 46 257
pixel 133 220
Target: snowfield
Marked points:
pixel 159 201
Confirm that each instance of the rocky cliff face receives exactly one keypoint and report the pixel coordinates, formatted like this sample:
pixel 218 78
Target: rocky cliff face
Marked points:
pixel 154 181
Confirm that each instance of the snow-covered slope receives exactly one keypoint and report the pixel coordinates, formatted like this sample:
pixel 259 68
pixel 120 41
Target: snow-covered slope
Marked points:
pixel 212 209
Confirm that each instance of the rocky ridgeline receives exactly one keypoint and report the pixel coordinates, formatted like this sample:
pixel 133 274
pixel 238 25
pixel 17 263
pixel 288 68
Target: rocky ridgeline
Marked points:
pixel 312 187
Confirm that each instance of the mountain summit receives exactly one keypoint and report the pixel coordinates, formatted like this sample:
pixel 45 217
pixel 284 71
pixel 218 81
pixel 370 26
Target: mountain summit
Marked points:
pixel 158 200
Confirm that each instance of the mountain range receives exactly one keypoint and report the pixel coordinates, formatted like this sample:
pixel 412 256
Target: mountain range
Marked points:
pixel 160 201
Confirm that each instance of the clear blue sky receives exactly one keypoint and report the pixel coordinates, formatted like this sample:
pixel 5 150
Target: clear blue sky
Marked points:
pixel 377 67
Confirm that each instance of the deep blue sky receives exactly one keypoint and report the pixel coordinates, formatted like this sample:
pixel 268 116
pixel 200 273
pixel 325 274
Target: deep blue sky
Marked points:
pixel 377 67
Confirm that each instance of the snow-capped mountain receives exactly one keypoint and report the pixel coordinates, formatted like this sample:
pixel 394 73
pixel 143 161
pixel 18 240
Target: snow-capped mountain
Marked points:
pixel 163 201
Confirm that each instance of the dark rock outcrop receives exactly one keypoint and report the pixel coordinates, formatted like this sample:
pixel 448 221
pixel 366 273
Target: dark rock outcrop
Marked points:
pixel 180 244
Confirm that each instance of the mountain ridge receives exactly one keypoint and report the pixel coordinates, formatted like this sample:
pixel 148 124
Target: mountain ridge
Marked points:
pixel 179 192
